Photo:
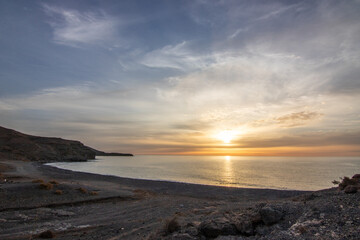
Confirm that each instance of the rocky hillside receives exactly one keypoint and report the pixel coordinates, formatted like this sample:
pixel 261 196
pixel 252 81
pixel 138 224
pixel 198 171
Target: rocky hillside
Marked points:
pixel 16 145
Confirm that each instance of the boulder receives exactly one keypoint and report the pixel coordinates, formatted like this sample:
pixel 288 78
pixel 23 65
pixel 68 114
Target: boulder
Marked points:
pixel 213 228
pixel 245 227
pixel 47 234
pixel 350 189
pixel 270 216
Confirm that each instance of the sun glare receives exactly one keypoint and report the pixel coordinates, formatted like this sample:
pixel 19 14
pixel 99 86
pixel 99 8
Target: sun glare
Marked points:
pixel 226 136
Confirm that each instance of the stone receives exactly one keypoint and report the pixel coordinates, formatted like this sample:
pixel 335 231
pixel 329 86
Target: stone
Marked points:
pixel 47 234
pixel 192 231
pixel 213 228
pixel 350 189
pixel 262 230
pixel 245 227
pixel 270 216
pixel 210 229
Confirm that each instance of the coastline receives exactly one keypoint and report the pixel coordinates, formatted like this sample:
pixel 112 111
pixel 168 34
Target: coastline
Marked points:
pixel 92 204
pixel 152 183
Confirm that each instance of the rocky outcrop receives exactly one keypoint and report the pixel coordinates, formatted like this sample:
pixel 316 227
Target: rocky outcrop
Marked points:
pixel 270 216
pixel 16 145
pixel 325 214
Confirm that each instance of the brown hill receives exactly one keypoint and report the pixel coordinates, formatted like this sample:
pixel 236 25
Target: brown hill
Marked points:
pixel 16 145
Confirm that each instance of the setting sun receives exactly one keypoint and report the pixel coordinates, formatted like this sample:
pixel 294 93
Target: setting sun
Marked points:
pixel 226 136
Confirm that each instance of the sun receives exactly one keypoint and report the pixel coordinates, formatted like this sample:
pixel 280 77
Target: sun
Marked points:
pixel 226 136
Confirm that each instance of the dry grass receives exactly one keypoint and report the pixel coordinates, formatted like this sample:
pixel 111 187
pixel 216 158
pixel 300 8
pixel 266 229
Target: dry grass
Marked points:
pixel 54 182
pixel 171 225
pixel 47 186
pixel 58 192
pixel 82 190
pixel 38 181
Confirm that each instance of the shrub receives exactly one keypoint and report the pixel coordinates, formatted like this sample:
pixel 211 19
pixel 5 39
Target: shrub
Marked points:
pixel 83 190
pixel 54 182
pixel 47 186
pixel 346 182
pixel 58 192
pixel 93 193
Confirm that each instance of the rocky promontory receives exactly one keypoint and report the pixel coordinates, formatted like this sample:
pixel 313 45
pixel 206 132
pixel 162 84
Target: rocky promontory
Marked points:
pixel 16 145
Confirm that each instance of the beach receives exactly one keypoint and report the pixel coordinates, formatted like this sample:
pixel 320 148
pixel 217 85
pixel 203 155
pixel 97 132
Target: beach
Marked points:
pixel 39 200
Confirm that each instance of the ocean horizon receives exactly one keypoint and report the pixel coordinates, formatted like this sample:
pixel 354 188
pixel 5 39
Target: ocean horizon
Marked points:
pixel 285 173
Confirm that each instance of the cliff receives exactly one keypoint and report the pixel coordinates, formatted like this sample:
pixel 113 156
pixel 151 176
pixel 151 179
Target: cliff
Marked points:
pixel 16 145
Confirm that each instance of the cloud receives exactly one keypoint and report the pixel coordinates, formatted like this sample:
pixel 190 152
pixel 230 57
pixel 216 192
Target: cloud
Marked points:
pixel 297 118
pixel 179 56
pixel 72 27
pixel 278 11
pixel 303 140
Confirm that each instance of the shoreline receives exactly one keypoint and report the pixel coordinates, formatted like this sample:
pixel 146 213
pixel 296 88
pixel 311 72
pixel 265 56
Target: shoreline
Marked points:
pixel 181 182
pixel 175 188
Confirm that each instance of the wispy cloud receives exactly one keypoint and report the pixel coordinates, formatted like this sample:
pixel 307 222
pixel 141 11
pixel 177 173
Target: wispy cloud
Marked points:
pixel 179 56
pixel 297 118
pixel 72 27
pixel 279 11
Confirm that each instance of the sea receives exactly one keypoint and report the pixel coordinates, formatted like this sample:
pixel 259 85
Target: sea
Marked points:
pixel 291 173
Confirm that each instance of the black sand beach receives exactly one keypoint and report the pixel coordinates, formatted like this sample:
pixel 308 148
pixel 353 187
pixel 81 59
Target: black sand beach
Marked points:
pixel 36 198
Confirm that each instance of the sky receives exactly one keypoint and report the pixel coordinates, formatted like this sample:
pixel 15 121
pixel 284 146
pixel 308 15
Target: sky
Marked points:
pixel 227 77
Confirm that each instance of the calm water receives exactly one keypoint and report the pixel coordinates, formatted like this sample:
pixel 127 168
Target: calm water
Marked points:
pixel 301 173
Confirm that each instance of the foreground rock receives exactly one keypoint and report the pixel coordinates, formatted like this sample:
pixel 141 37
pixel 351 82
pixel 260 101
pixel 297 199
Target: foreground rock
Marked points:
pixel 16 145
pixel 327 214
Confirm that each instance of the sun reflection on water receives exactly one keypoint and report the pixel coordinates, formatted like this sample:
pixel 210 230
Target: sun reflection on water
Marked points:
pixel 227 176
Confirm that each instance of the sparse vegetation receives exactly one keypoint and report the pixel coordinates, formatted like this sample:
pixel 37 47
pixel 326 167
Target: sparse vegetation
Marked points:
pixel 58 192
pixel 349 185
pixel 346 181
pixel 335 182
pixel 83 190
pixel 38 181
pixel 47 186
pixel 54 182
